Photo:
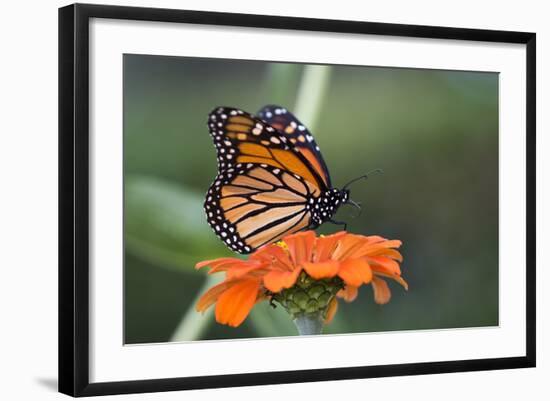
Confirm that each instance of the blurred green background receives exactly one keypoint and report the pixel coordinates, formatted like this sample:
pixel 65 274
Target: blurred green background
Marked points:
pixel 434 133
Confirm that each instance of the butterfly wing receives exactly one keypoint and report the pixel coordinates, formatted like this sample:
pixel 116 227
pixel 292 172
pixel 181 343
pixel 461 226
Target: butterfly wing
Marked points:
pixel 263 187
pixel 298 136
pixel 257 204
pixel 241 138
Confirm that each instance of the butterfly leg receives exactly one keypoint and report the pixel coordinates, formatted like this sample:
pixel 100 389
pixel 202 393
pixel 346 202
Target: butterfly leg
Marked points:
pixel 272 303
pixel 339 223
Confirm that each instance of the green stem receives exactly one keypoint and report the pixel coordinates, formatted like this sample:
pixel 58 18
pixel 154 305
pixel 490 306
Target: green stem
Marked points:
pixel 281 82
pixel 309 324
pixel 193 324
pixel 311 92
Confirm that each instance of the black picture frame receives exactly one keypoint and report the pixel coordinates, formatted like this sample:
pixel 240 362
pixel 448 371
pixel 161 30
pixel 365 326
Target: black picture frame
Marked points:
pixel 74 198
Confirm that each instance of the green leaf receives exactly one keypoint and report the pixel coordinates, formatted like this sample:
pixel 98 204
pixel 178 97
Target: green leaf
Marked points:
pixel 165 224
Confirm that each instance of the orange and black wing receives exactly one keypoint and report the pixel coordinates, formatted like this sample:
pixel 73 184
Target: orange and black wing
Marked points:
pixel 264 187
pixel 242 138
pixel 297 136
pixel 256 204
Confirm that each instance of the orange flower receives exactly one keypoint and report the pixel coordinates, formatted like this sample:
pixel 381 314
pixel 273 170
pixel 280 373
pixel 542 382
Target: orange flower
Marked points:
pixel 305 274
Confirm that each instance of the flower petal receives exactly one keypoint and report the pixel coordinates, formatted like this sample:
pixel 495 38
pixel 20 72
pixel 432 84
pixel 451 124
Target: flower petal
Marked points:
pixel 276 280
pixel 321 270
pixel 389 253
pixel 357 246
pixel 399 279
pixel 402 282
pixel 300 246
pixel 384 265
pixel 348 293
pixel 355 272
pixel 218 263
pixel 251 268
pixel 324 246
pixel 235 303
pixel 212 295
pixel 373 239
pixel 347 245
pixel 386 244
pixel 331 311
pixel 275 255
pixel 382 293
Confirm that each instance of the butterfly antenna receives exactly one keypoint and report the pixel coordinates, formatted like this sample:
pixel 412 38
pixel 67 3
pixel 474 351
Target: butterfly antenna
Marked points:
pixel 365 176
pixel 357 205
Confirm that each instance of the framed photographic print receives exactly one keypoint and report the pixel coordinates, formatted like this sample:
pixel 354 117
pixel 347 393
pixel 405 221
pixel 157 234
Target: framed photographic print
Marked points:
pixel 297 199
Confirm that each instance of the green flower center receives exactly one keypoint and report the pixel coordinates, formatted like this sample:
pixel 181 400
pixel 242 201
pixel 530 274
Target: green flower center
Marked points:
pixel 309 296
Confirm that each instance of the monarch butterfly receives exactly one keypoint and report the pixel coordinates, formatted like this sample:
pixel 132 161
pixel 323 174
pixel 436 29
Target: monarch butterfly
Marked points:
pixel 272 180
